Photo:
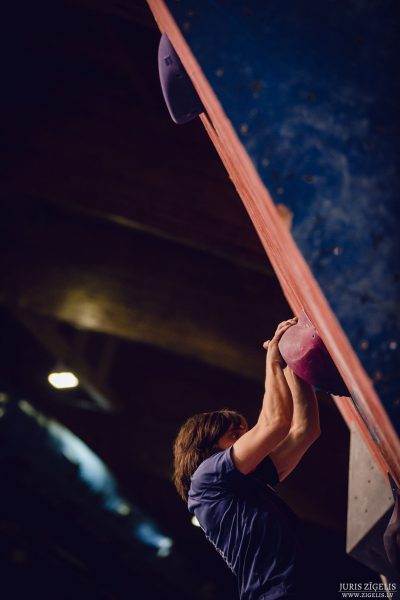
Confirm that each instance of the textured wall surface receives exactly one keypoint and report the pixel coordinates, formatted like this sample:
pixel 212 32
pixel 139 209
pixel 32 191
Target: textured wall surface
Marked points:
pixel 313 93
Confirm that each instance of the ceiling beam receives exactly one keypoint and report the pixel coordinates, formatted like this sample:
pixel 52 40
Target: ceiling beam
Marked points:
pixel 100 277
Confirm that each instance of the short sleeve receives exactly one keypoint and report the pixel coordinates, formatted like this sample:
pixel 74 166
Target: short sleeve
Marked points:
pixel 217 478
pixel 216 471
pixel 266 472
pixel 214 480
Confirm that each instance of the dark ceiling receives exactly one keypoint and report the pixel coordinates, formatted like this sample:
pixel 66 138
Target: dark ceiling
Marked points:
pixel 127 256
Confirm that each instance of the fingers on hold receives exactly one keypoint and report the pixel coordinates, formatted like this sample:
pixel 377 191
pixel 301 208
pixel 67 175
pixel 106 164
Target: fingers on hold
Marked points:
pixel 282 330
pixel 285 325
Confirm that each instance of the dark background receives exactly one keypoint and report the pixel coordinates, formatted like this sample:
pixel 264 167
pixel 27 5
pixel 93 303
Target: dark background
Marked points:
pixel 127 256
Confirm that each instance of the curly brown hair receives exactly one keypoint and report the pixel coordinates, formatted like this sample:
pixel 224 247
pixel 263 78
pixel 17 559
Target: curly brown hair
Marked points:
pixel 197 440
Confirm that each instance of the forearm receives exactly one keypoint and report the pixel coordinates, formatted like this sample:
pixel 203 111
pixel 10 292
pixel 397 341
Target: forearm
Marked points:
pixel 278 403
pixel 305 405
pixel 304 430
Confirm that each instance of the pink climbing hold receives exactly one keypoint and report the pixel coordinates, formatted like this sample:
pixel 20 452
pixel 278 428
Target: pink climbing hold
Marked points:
pixel 304 352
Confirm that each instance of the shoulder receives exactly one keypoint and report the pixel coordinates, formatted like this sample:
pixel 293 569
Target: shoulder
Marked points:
pixel 218 469
pixel 215 480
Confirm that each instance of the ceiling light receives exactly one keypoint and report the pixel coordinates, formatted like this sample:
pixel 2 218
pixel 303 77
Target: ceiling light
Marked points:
pixel 63 380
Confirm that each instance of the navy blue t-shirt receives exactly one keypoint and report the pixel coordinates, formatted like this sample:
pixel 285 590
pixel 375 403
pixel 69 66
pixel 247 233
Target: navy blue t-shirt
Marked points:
pixel 249 525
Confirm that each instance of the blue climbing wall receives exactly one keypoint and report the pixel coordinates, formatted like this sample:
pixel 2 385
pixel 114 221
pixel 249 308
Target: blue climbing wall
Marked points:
pixel 312 90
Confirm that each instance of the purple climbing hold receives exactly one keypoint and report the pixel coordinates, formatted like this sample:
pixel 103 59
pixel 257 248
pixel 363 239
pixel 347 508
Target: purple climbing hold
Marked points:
pixel 180 96
pixel 304 352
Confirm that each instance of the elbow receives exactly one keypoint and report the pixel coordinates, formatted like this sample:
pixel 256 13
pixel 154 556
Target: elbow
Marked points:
pixel 317 434
pixel 309 436
pixel 281 426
